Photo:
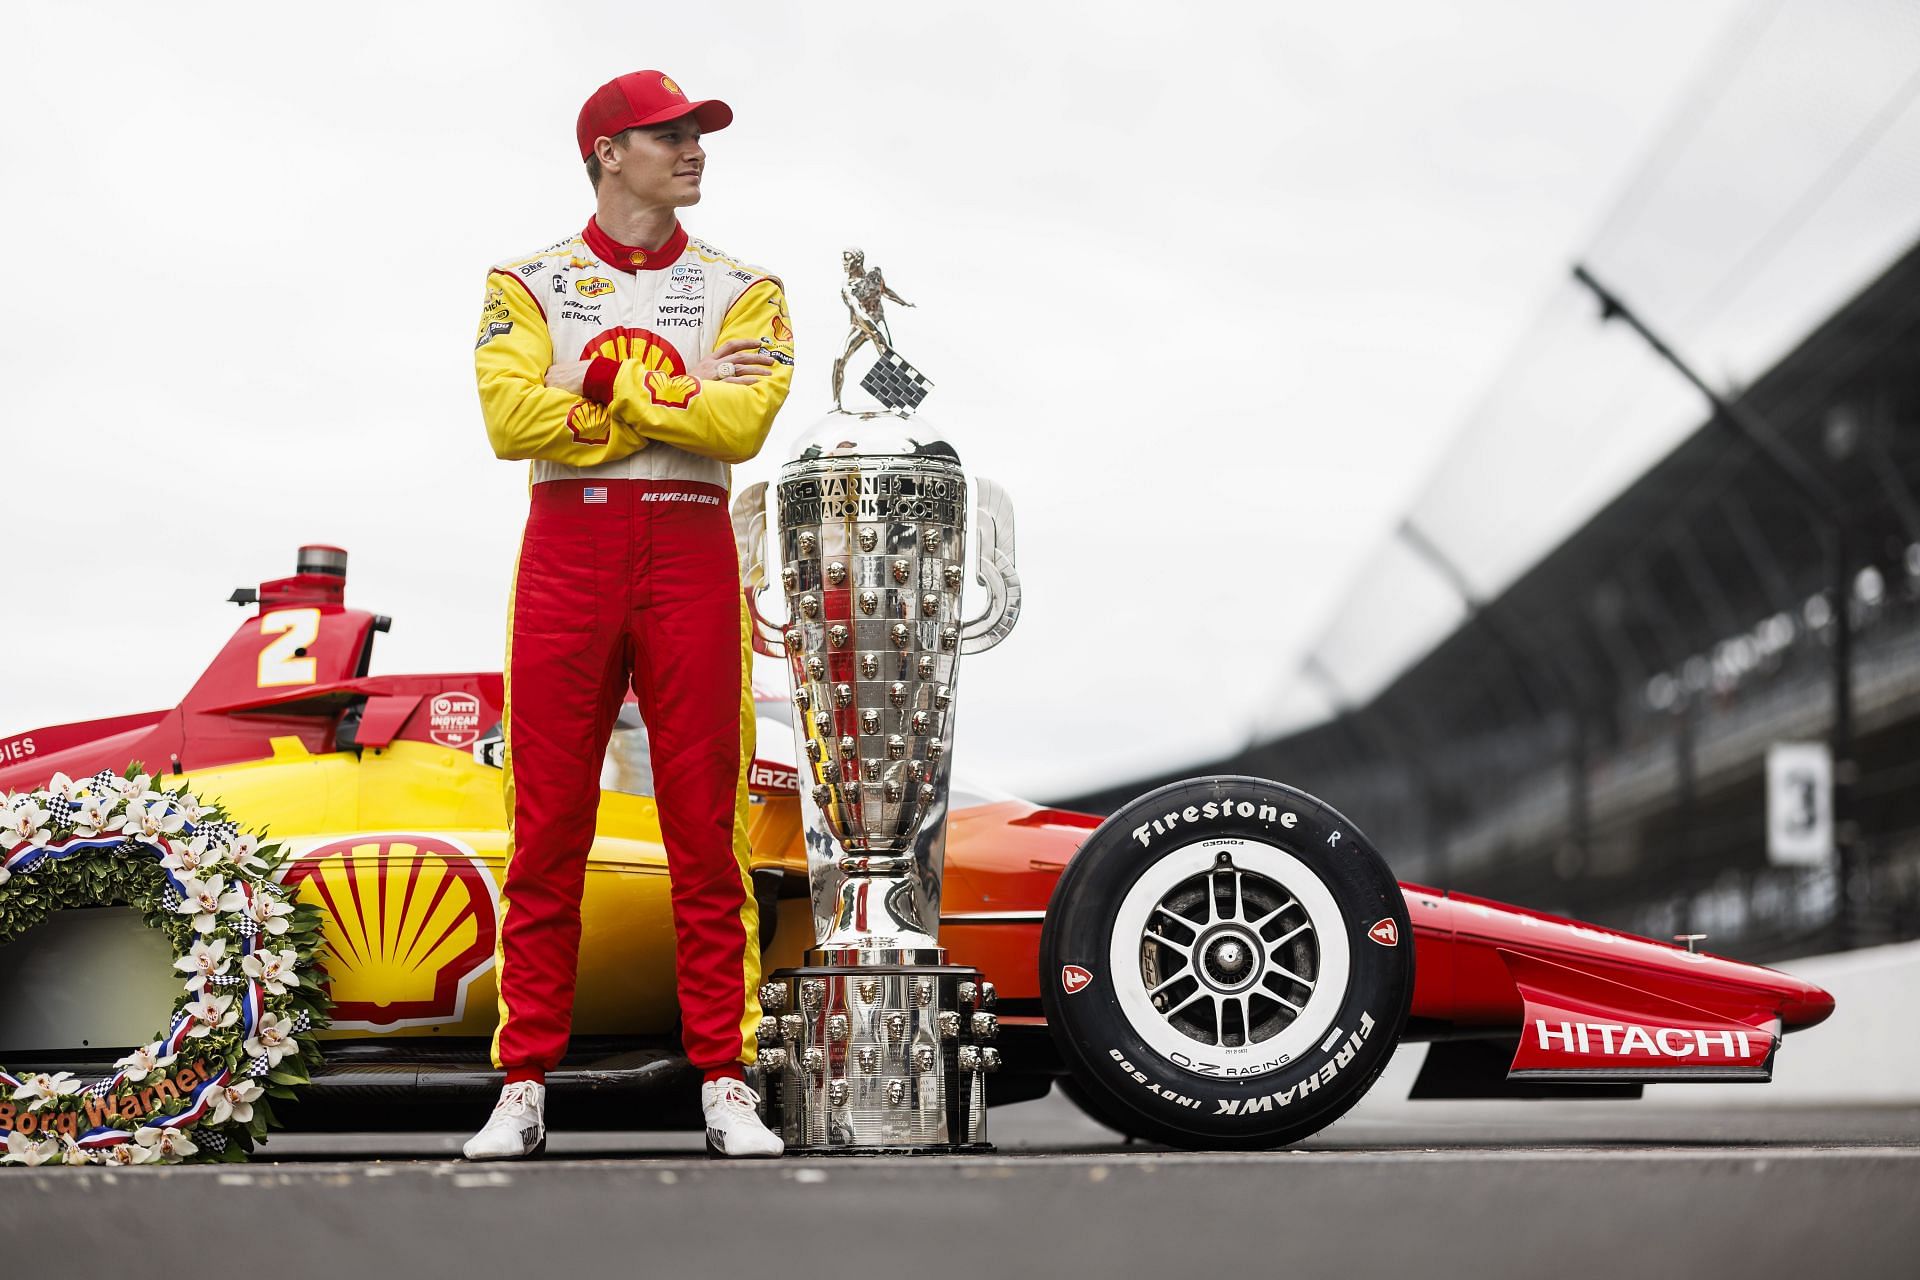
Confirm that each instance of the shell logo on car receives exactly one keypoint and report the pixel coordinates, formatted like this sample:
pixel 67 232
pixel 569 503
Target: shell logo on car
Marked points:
pixel 411 922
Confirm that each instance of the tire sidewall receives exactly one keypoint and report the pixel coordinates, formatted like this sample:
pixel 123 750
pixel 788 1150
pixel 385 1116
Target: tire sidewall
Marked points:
pixel 1204 1104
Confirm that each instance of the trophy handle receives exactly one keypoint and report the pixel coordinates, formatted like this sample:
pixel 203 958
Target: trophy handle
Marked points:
pixel 993 518
pixel 750 538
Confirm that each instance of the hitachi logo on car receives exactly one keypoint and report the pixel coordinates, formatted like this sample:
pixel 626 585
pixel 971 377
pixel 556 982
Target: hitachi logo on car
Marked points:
pixel 1654 1042
pixel 1213 809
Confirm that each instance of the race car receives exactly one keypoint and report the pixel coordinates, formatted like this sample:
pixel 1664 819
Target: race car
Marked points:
pixel 1223 963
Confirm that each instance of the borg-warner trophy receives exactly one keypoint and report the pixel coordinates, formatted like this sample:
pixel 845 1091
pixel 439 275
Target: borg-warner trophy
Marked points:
pixel 876 1042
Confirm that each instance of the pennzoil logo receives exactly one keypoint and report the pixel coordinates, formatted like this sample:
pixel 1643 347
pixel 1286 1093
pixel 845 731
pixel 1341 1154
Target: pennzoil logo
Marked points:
pixel 649 348
pixel 409 921
pixel 593 286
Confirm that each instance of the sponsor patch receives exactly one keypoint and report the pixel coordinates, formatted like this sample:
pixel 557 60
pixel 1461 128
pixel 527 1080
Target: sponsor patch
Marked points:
pixel 1074 979
pixel 666 82
pixel 1386 933
pixel 494 329
pixel 671 390
pixel 688 279
pixel 593 286
pixel 782 331
pixel 453 719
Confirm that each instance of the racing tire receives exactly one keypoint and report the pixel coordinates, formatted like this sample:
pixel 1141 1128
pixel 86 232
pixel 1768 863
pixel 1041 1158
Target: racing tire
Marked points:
pixel 1226 963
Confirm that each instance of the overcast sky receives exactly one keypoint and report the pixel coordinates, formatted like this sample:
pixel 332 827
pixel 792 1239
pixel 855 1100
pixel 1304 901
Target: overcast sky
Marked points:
pixel 1206 287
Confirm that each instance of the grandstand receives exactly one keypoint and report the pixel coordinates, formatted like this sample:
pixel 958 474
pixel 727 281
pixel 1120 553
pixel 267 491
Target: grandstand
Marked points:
pixel 1558 682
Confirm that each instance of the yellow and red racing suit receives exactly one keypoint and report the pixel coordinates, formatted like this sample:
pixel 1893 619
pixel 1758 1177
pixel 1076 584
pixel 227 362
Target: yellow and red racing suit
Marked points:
pixel 627 573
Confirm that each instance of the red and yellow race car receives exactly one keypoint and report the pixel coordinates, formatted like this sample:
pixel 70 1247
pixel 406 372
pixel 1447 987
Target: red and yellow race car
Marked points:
pixel 1225 962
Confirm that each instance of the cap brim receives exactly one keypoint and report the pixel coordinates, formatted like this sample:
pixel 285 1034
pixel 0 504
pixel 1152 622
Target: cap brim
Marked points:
pixel 711 114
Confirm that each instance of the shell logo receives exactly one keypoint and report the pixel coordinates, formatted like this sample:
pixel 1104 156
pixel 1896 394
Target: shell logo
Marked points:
pixel 643 345
pixel 672 391
pixel 410 922
pixel 782 331
pixel 666 82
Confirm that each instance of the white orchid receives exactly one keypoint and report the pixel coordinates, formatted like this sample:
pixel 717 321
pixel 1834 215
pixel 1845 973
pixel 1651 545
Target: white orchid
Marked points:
pixel 204 960
pixel 95 815
pixel 235 1102
pixel 144 1061
pixel 244 849
pixel 210 1012
pixel 205 899
pixel 270 912
pixel 24 1150
pixel 64 788
pixel 273 1037
pixel 136 788
pixel 149 820
pixel 272 969
pixel 41 1090
pixel 129 1153
pixel 187 805
pixel 191 857
pixel 73 1153
pixel 25 824
pixel 169 1146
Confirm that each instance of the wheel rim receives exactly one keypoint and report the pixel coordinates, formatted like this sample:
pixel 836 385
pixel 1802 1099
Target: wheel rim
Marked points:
pixel 1230 957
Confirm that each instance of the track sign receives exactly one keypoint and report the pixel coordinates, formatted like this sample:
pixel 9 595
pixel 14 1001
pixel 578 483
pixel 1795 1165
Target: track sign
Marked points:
pixel 1386 933
pixel 1799 804
pixel 1074 979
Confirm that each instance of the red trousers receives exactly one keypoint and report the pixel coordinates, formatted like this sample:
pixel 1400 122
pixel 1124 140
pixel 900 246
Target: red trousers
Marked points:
pixel 618 581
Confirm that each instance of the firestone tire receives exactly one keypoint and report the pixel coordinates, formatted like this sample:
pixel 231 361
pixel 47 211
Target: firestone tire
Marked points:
pixel 1226 963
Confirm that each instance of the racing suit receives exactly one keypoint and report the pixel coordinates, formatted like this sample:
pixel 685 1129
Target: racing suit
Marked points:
pixel 627 572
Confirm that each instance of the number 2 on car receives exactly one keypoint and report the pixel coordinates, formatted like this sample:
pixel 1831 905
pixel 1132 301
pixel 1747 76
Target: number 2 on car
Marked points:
pixel 284 660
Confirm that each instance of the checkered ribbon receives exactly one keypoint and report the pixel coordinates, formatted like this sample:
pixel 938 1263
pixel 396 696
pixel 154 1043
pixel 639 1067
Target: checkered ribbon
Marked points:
pixel 62 810
pixel 217 831
pixel 210 1140
pixel 100 1088
pixel 259 1066
pixel 302 1021
pixel 227 980
pixel 170 897
pixel 106 783
pixel 246 926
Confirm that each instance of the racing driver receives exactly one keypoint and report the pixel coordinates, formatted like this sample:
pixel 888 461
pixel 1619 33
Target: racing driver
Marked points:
pixel 632 364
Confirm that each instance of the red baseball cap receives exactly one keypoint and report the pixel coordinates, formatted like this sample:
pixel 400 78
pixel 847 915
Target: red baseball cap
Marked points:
pixel 641 98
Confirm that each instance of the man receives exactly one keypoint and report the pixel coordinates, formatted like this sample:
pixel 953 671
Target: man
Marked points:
pixel 632 365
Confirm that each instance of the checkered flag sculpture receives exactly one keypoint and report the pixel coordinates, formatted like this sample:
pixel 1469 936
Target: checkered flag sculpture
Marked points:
pixel 895 383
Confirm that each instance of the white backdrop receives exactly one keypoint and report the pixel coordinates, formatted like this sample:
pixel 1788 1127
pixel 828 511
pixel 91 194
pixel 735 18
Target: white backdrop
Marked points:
pixel 1212 284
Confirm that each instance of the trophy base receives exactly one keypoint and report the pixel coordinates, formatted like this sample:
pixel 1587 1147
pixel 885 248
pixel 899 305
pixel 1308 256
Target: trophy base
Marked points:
pixel 876 1059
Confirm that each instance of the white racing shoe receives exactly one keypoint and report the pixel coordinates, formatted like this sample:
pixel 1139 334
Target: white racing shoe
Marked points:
pixel 734 1128
pixel 518 1126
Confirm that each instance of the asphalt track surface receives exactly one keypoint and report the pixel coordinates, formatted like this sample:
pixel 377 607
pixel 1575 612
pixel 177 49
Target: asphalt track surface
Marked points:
pixel 1395 1189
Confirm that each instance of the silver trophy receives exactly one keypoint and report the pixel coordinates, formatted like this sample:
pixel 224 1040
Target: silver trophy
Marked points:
pixel 877 1042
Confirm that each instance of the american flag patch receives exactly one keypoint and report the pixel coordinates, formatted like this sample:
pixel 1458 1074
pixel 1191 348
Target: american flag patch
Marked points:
pixel 594 493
